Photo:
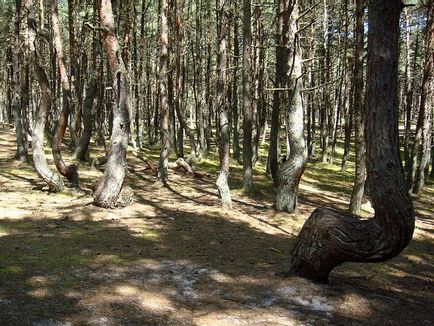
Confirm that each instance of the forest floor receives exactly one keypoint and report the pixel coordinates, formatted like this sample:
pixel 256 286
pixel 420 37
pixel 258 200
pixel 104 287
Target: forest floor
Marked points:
pixel 175 258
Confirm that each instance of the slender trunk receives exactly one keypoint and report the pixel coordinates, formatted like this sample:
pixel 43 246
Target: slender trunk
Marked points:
pixel 222 180
pixel 163 83
pixel 51 178
pixel 247 98
pixel 422 143
pixel 359 121
pixel 70 172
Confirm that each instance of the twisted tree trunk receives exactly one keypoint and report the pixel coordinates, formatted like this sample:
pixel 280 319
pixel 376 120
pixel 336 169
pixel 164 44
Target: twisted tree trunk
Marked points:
pixel 110 191
pixel 70 172
pixel 330 238
pixel 51 178
pixel 292 169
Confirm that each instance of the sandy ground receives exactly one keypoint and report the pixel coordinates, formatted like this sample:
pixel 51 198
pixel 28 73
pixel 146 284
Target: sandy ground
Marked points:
pixel 175 258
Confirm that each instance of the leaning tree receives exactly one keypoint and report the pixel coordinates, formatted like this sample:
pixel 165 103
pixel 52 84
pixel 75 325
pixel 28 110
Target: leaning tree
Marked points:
pixel 330 238
pixel 110 191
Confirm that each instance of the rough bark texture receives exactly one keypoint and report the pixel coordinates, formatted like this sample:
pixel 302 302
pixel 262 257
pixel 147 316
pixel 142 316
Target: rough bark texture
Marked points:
pixel 110 191
pixel 51 178
pixel 70 172
pixel 222 180
pixel 292 169
pixel 360 176
pixel 162 79
pixel 330 238
pixel 282 57
pixel 247 99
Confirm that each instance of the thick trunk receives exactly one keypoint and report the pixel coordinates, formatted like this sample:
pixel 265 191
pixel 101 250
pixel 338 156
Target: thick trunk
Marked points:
pixel 51 178
pixel 292 169
pixel 279 98
pixel 359 122
pixel 70 172
pixel 330 238
pixel 247 99
pixel 222 180
pixel 110 191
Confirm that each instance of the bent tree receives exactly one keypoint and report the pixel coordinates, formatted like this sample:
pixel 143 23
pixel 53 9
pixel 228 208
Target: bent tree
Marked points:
pixel 292 169
pixel 70 172
pixel 51 178
pixel 110 191
pixel 330 238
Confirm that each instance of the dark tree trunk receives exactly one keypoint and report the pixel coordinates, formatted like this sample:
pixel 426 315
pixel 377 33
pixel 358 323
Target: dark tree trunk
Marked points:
pixel 330 238
pixel 247 98
pixel 81 150
pixel 21 152
pixel 110 191
pixel 279 98
pixel 235 107
pixel 51 178
pixel 222 180
pixel 360 177
pixel 292 169
pixel 70 172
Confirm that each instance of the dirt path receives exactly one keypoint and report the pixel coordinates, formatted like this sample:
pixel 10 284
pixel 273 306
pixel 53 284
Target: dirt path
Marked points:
pixel 174 258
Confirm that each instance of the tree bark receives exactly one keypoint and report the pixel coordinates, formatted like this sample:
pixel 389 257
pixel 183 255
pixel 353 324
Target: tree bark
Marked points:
pixel 51 178
pixel 360 176
pixel 222 180
pixel 110 191
pixel 163 83
pixel 292 169
pixel 70 172
pixel 330 238
pixel 247 98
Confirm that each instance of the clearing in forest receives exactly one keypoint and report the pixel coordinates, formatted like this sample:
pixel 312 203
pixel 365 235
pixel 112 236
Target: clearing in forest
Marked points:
pixel 175 258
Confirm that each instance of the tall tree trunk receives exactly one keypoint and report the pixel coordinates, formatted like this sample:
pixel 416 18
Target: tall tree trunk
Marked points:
pixel 111 191
pixel 222 180
pixel 360 177
pixel 163 83
pixel 21 152
pixel 422 143
pixel 279 98
pixel 247 98
pixel 235 107
pixel 51 178
pixel 70 172
pixel 292 169
pixel 330 238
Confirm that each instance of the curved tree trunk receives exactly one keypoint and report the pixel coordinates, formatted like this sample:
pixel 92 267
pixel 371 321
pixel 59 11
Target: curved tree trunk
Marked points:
pixel 50 177
pixel 111 191
pixel 292 169
pixel 330 238
pixel 70 172
pixel 222 180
